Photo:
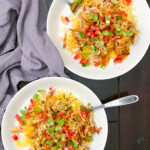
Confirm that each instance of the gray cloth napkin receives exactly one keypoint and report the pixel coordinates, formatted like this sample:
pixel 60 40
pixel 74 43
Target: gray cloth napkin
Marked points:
pixel 34 56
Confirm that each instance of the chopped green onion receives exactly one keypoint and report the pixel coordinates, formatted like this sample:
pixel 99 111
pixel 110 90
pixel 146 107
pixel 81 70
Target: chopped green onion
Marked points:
pixel 50 130
pixel 61 122
pixel 77 118
pixel 107 18
pixel 70 143
pixel 43 140
pixel 106 33
pixel 95 18
pixel 119 18
pixel 23 118
pixel 101 43
pixel 85 56
pixel 127 33
pixel 93 40
pixel 23 112
pixel 89 104
pixel 77 1
pixel 98 36
pixel 36 97
pixel 89 138
pixel 58 119
pixel 42 91
pixel 93 48
pixel 69 107
pixel 117 26
pixel 63 138
pixel 49 143
pixel 58 144
pixel 37 109
pixel 85 65
pixel 101 66
pixel 51 121
pixel 115 2
pixel 91 16
pixel 82 34
pixel 42 102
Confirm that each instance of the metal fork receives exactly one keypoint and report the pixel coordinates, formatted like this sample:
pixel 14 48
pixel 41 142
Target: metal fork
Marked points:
pixel 119 102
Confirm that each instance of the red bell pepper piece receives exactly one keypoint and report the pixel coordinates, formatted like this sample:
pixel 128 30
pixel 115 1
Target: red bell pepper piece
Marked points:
pixel 28 116
pixel 60 114
pixel 31 101
pixel 67 19
pixel 96 64
pixel 125 14
pixel 48 137
pixel 77 56
pixel 18 118
pixel 15 137
pixel 85 30
pixel 118 60
pixel 83 114
pixel 44 116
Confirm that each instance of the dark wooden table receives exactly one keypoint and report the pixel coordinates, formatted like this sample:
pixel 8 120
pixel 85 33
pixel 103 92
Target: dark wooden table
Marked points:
pixel 129 126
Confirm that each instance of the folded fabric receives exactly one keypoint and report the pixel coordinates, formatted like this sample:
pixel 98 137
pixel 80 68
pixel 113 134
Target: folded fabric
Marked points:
pixel 33 56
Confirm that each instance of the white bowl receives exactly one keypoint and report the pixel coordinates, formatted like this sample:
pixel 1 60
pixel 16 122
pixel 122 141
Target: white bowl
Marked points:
pixel 22 98
pixel 138 50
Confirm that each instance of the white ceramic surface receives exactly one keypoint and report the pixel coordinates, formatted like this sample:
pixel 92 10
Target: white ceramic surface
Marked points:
pixel 22 98
pixel 59 8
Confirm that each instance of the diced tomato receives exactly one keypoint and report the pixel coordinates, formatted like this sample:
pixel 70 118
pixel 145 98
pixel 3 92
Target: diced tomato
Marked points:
pixel 21 123
pixel 18 118
pixel 68 135
pixel 60 114
pixel 30 107
pixel 96 64
pixel 105 63
pixel 85 30
pixel 44 131
pixel 51 88
pixel 127 2
pixel 83 61
pixel 70 111
pixel 112 27
pixel 48 148
pixel 15 137
pixel 73 133
pixel 118 60
pixel 48 137
pixel 44 116
pixel 36 114
pixel 66 126
pixel 83 114
pixel 97 32
pixel 112 20
pixel 95 28
pixel 54 117
pixel 77 56
pixel 67 116
pixel 109 12
pixel 31 101
pixel 101 18
pixel 105 39
pixel 93 35
pixel 27 116
pixel 118 10
pixel 70 147
pixel 67 19
pixel 61 131
pixel 125 14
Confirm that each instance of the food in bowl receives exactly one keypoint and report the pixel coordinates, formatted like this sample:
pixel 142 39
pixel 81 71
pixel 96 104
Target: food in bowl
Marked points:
pixel 55 120
pixel 100 31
